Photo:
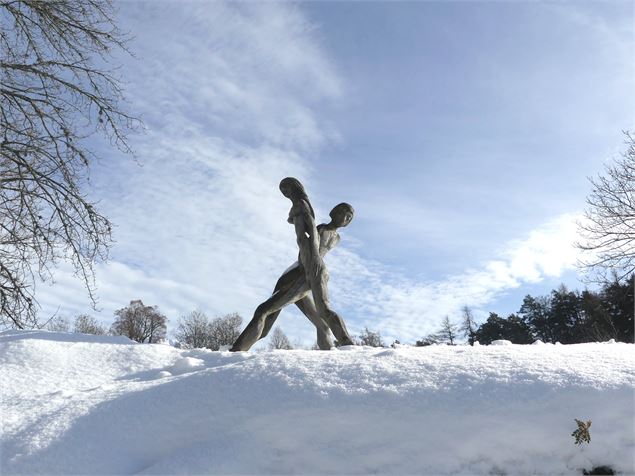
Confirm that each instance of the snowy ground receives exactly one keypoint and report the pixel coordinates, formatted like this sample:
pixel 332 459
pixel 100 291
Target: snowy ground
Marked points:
pixel 85 404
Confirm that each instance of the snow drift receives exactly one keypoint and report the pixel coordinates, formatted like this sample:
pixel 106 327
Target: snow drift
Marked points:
pixel 76 404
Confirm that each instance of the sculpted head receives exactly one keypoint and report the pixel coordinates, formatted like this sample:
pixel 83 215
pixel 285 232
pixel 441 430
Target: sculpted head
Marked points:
pixel 294 191
pixel 292 188
pixel 342 214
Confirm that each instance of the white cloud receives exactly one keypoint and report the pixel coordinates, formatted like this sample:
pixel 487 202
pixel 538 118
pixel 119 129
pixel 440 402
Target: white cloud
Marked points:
pixel 366 293
pixel 407 309
pixel 200 224
pixel 249 72
pixel 229 108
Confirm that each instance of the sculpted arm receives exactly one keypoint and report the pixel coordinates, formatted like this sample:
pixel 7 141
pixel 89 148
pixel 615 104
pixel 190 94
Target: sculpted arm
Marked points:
pixel 311 231
pixel 305 229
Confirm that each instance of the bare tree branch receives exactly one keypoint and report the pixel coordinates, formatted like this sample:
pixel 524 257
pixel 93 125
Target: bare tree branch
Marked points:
pixel 57 89
pixel 608 228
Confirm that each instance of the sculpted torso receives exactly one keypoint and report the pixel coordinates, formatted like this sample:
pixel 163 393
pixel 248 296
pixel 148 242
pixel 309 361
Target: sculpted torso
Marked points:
pixel 327 239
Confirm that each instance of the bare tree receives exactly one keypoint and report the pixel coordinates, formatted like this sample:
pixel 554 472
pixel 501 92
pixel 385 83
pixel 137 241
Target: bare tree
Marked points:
pixel 139 322
pixel 448 332
pixel 193 330
pixel 468 325
pixel 279 340
pixel 608 230
pixel 430 339
pixel 57 89
pixel 225 330
pixel 85 324
pixel 58 324
pixel 370 338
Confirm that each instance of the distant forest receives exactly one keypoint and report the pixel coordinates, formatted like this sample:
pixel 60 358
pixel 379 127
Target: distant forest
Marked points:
pixel 568 317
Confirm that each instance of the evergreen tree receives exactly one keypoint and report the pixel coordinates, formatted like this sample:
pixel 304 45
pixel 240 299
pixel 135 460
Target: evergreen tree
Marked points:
pixel 536 314
pixel 565 316
pixel 513 329
pixel 491 330
pixel 569 317
pixel 598 325
pixel 517 330
pixel 619 303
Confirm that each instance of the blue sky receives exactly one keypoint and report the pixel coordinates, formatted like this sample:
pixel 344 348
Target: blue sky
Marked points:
pixel 463 134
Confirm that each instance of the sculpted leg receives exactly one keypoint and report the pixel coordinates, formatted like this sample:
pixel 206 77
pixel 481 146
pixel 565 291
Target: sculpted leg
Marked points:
pixel 293 278
pixel 254 330
pixel 334 321
pixel 269 322
pixel 307 306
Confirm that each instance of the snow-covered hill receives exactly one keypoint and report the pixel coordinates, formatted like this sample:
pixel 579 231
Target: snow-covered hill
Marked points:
pixel 86 404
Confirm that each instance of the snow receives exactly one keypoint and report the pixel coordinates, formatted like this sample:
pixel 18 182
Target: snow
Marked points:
pixel 76 404
pixel 501 342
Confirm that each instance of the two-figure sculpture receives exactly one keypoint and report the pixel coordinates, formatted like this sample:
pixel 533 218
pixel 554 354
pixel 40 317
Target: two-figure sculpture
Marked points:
pixel 305 283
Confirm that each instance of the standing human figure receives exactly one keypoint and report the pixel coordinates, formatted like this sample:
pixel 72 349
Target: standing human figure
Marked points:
pixel 305 283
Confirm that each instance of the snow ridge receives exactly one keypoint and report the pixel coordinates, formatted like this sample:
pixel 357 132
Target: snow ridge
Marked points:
pixel 76 404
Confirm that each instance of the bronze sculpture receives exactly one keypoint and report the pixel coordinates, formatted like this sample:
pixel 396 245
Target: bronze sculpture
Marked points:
pixel 304 283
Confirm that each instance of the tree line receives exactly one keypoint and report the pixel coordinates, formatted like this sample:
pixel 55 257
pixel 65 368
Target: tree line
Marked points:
pixel 568 317
pixel 564 316
pixel 194 330
pixel 141 323
pixel 147 324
